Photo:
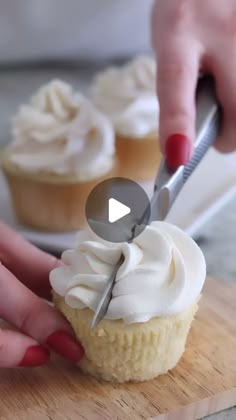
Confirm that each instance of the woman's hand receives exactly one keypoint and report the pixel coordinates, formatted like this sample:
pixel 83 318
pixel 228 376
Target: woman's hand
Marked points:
pixel 24 273
pixel 191 36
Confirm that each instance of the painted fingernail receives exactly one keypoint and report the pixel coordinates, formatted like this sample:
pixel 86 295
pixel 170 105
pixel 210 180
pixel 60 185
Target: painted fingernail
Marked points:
pixel 178 150
pixel 64 344
pixel 35 356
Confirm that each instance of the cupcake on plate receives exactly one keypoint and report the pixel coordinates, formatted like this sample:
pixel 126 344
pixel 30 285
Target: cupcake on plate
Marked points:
pixel 154 300
pixel 62 147
pixel 127 95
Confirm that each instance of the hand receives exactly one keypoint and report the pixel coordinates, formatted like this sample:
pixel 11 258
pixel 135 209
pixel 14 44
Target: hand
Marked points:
pixel 24 272
pixel 191 36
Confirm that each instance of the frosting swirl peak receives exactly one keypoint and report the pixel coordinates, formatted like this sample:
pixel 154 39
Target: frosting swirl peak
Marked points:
pixel 61 132
pixel 163 273
pixel 127 95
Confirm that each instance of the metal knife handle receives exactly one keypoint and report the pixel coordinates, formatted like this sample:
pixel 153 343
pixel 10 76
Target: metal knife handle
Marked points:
pixel 208 121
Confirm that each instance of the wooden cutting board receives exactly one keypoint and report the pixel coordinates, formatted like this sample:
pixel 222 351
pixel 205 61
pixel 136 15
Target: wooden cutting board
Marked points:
pixel 203 382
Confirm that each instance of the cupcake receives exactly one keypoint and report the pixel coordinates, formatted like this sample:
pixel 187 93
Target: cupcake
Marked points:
pixel 127 95
pixel 62 147
pixel 153 304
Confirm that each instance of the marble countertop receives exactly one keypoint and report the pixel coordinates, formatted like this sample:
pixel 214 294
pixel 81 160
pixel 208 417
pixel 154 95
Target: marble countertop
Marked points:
pixel 217 238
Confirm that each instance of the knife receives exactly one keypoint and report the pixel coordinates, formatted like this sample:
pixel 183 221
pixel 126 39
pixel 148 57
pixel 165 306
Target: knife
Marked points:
pixel 168 183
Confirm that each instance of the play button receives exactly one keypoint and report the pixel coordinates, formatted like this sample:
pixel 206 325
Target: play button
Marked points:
pixel 115 206
pixel 117 210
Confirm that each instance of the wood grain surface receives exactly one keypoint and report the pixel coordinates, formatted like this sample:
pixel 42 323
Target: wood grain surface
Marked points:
pixel 203 382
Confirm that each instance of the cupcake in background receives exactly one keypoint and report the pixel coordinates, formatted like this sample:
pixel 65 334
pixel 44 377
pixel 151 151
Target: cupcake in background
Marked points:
pixel 153 303
pixel 62 147
pixel 127 95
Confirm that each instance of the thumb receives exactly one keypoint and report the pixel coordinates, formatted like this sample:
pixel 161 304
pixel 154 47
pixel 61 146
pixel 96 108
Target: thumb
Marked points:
pixel 17 349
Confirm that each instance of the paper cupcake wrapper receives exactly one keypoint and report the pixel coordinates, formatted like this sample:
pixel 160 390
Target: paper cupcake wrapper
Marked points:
pixel 138 158
pixel 136 352
pixel 56 204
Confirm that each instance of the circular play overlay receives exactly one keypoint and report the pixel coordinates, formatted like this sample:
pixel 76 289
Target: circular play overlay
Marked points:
pixel 114 208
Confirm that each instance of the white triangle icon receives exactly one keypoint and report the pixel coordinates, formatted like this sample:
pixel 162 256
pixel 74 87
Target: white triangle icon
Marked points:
pixel 116 210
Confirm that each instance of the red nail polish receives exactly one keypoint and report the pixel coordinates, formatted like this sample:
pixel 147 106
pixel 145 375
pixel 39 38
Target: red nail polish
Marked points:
pixel 178 150
pixel 65 345
pixel 34 356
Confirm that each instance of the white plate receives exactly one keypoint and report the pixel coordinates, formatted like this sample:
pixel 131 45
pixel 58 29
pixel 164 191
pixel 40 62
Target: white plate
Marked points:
pixel 209 188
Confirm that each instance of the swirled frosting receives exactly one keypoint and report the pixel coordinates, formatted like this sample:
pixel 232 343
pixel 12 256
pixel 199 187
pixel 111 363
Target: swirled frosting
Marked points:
pixel 61 132
pixel 128 96
pixel 163 274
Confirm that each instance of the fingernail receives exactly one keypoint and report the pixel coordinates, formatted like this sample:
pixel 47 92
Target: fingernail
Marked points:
pixel 178 150
pixel 64 344
pixel 35 356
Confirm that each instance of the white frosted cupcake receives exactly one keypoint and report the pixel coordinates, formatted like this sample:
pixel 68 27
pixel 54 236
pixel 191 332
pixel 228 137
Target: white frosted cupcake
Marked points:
pixel 127 95
pixel 62 147
pixel 154 300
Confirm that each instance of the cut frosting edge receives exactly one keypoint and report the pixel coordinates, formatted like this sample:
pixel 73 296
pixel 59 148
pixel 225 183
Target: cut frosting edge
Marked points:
pixel 154 281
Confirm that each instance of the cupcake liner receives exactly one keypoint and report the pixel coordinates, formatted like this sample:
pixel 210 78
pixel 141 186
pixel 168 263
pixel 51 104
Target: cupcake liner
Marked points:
pixel 136 352
pixel 50 203
pixel 138 158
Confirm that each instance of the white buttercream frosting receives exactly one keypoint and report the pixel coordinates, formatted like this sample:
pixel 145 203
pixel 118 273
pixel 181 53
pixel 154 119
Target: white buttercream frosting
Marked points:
pixel 127 95
pixel 163 274
pixel 61 132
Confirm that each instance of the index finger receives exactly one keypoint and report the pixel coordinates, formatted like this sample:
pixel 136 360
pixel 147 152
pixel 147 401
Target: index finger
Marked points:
pixel 33 316
pixel 177 74
pixel 28 263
